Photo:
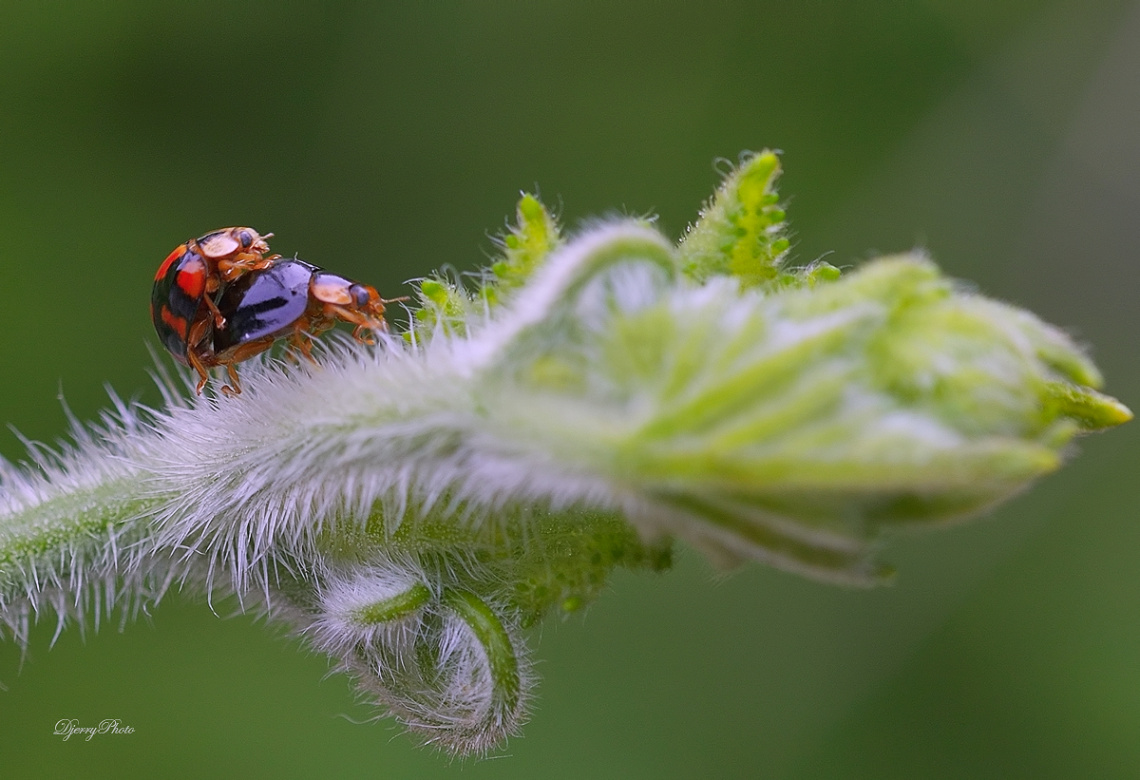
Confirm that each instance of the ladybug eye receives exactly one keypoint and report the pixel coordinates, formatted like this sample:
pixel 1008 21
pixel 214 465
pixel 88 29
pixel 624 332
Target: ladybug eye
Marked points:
pixel 360 295
pixel 246 239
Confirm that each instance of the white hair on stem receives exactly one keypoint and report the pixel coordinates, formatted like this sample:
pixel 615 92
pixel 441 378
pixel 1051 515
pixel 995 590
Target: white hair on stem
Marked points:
pixel 407 507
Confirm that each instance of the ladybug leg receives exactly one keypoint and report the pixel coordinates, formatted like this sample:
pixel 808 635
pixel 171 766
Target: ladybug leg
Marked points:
pixel 304 342
pixel 301 341
pixel 196 363
pixel 234 387
pixel 244 352
pixel 219 320
pixel 198 353
pixel 359 334
pixel 361 320
pixel 244 262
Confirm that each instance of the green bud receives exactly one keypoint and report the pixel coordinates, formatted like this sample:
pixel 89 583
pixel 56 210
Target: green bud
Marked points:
pixel 740 232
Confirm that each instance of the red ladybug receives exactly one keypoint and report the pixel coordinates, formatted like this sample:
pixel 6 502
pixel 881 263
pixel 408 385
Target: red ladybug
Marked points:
pixel 182 302
pixel 219 300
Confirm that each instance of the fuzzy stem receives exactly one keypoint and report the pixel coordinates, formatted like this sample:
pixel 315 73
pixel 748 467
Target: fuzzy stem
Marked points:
pixel 502 663
pixel 392 609
pixel 409 508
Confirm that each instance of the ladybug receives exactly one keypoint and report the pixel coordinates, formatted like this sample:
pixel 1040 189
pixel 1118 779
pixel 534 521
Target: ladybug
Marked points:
pixel 291 299
pixel 182 304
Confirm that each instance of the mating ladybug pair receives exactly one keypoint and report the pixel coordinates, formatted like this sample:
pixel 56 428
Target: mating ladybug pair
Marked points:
pixel 221 299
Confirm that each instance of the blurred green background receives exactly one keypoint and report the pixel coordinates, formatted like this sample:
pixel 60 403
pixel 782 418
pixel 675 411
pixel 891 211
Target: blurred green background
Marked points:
pixel 387 139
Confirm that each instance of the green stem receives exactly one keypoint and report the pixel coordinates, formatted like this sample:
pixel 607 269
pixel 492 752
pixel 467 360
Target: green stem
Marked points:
pixel 395 608
pixel 492 635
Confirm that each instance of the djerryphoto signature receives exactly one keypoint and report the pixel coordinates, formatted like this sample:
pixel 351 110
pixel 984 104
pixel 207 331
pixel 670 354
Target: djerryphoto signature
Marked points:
pixel 69 727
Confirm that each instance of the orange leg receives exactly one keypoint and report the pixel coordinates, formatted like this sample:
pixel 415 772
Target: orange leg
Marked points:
pixel 244 352
pixel 234 387
pixel 301 342
pixel 197 364
pixel 244 262
pixel 219 320
pixel 303 331
pixel 197 354
pixel 361 320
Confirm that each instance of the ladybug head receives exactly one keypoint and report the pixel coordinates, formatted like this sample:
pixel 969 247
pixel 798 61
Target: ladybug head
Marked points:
pixel 367 300
pixel 250 240
pixel 230 241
